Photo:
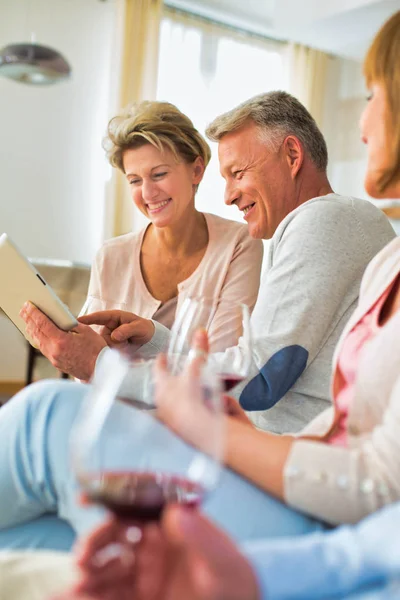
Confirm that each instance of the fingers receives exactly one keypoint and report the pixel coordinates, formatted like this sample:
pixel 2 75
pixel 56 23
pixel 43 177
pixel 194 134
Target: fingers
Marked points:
pixel 88 546
pixel 112 531
pixel 213 559
pixel 37 323
pixel 160 366
pixel 100 317
pixel 186 527
pixel 124 332
pixel 39 328
pixel 198 353
pixel 106 556
pixel 200 340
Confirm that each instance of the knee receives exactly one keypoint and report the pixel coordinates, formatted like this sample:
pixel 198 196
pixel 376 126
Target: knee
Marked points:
pixel 48 394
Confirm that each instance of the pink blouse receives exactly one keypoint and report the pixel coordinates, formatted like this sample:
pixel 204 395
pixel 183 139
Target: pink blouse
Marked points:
pixel 228 274
pixel 353 346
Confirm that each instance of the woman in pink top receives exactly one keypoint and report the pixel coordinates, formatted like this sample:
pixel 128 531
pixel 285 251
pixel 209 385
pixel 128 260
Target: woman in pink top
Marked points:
pixel 182 252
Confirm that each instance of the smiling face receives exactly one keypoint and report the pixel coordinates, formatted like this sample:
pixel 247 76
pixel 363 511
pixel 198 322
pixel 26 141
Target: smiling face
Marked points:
pixel 162 188
pixel 257 179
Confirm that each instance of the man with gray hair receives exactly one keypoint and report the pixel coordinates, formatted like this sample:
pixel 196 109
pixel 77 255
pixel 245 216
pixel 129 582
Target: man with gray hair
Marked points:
pixel 274 158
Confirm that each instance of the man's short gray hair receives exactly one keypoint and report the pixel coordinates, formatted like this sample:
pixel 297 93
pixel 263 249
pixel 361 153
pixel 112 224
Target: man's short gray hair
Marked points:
pixel 277 114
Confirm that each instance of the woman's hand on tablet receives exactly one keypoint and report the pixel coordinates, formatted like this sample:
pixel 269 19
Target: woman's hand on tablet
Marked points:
pixel 74 352
pixel 120 326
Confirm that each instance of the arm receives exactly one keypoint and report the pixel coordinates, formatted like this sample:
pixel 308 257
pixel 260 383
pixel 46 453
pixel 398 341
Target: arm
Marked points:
pixel 343 485
pixel 241 285
pixel 325 564
pixel 94 289
pixel 332 483
pixel 257 455
pixel 311 285
pixel 74 352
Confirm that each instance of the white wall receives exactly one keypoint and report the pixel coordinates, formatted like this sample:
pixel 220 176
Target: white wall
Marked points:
pixel 344 103
pixel 52 169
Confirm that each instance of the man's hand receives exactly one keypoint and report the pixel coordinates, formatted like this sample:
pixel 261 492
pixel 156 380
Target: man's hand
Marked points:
pixel 73 352
pixel 183 558
pixel 119 326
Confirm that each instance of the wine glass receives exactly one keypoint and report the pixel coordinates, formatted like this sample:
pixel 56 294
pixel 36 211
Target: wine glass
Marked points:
pixel 126 459
pixel 233 365
pixel 194 314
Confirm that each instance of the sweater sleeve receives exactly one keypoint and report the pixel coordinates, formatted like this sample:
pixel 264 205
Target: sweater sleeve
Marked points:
pixel 343 485
pixel 93 300
pixel 240 286
pixel 328 564
pixel 312 283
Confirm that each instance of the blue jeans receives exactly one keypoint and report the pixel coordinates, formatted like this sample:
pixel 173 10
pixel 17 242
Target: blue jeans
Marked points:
pixel 383 591
pixel 39 505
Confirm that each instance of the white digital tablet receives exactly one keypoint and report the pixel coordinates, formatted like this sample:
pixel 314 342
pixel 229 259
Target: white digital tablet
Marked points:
pixel 20 282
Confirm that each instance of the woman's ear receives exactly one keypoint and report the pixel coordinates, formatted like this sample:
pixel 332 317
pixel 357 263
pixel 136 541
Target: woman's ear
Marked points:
pixel 198 170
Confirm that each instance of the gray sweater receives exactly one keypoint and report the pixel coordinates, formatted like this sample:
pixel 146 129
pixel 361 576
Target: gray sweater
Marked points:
pixel 309 289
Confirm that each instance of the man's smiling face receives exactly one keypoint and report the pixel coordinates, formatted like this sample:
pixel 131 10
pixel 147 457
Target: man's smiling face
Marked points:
pixel 257 179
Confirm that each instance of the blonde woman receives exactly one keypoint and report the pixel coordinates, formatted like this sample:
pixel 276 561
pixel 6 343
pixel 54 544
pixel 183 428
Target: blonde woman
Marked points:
pixel 140 279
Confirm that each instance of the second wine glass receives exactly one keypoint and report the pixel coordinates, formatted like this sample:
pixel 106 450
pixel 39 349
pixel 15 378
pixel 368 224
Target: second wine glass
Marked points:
pixel 127 460
pixel 233 365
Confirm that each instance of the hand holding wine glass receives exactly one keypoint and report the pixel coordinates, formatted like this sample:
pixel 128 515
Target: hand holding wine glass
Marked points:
pixel 233 365
pixel 127 460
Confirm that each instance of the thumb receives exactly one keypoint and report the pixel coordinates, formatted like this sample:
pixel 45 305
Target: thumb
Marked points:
pixel 123 332
pixel 187 528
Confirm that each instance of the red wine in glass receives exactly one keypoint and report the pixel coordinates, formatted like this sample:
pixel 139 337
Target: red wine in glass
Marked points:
pixel 230 380
pixel 140 496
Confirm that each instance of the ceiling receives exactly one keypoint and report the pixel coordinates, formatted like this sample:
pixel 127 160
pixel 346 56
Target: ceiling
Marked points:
pixel 341 27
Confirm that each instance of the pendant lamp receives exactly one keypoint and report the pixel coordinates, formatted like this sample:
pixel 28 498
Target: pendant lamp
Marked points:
pixel 33 64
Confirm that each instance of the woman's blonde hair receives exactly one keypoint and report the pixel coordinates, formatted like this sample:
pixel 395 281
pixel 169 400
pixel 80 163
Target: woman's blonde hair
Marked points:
pixel 158 123
pixel 382 66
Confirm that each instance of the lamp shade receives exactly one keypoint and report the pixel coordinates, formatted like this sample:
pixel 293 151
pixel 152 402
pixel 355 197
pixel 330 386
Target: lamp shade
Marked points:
pixel 33 64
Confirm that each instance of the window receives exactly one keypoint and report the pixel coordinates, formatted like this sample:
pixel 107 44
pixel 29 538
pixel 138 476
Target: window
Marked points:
pixel 206 69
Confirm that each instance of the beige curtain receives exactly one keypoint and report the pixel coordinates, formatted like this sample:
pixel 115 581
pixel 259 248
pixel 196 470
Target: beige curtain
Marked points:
pixel 138 31
pixel 307 77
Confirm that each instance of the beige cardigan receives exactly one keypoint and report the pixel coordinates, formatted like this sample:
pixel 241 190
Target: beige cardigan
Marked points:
pixel 229 273
pixel 342 485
